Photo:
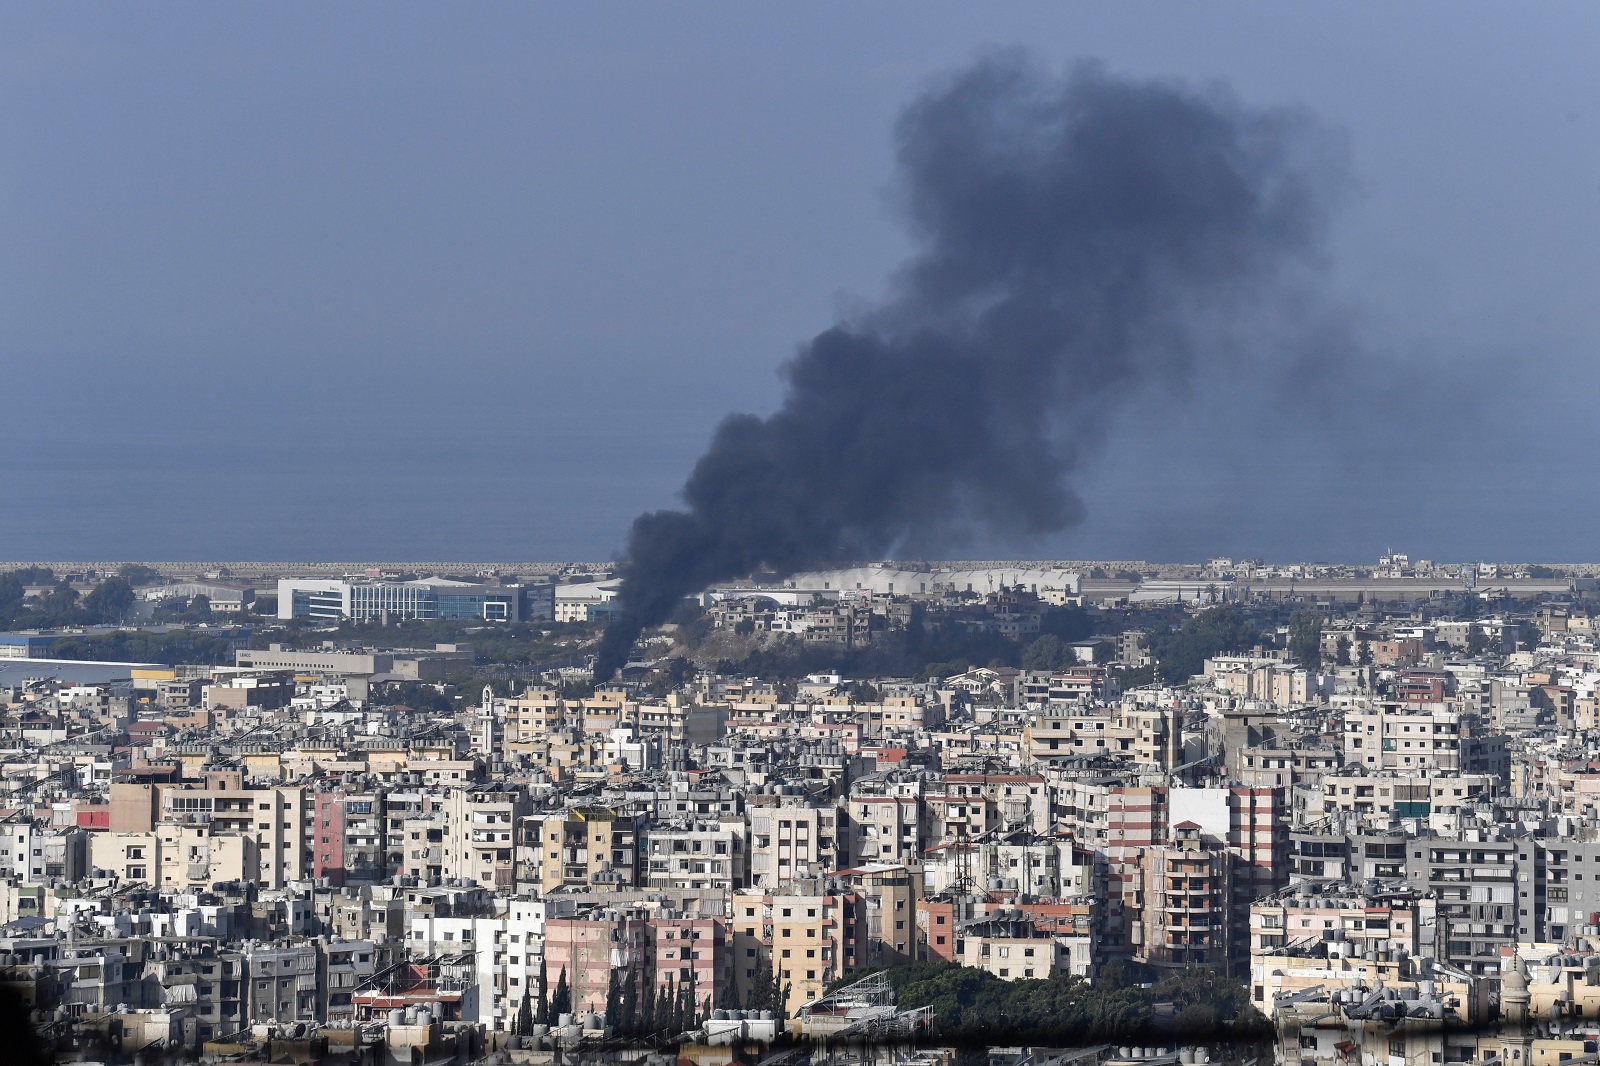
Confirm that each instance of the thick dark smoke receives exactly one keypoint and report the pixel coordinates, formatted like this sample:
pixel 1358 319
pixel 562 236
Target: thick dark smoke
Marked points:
pixel 1078 236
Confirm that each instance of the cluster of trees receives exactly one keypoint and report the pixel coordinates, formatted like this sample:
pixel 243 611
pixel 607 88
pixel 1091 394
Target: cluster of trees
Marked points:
pixel 534 644
pixel 196 610
pixel 923 649
pixel 1181 652
pixel 61 605
pixel 634 1013
pixel 1305 642
pixel 1059 629
pixel 1196 1004
pixel 768 991
pixel 974 1008
pixel 1305 638
pixel 543 1008
pixel 675 1009
pixel 212 647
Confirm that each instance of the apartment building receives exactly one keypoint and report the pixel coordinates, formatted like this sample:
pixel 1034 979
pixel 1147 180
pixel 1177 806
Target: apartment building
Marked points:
pixel 1148 736
pixel 808 935
pixel 273 815
pixel 791 839
pixel 582 846
pixel 696 854
pixel 590 949
pixel 886 924
pixel 1184 895
pixel 1394 736
pixel 1084 684
pixel 884 823
pixel 280 983
pixel 348 838
pixel 1286 765
pixel 1418 794
pixel 1014 948
pixel 691 950
pixel 479 826
pixel 961 806
pixel 1344 914
pixel 1484 885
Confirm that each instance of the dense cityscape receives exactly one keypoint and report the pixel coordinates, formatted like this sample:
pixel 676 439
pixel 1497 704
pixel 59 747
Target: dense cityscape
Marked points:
pixel 1043 511
pixel 384 813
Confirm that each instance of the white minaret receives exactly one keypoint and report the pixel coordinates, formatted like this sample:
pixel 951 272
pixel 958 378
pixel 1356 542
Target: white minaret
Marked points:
pixel 486 708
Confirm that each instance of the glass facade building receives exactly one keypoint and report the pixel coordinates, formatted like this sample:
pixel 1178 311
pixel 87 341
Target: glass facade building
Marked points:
pixel 434 598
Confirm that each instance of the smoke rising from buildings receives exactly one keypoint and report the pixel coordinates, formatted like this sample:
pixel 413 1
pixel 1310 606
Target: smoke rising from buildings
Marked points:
pixel 1078 237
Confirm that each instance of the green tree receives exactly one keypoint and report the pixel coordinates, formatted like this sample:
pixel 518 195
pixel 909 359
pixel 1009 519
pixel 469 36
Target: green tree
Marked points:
pixel 1068 623
pixel 57 606
pixel 139 646
pixel 1048 652
pixel 975 1007
pixel 760 995
pixel 1363 653
pixel 525 1014
pixel 1136 676
pixel 138 574
pixel 543 1006
pixel 865 692
pixel 1341 653
pixel 728 995
pixel 646 1024
pixel 561 999
pixel 682 997
pixel 1181 653
pixel 664 1018
pixel 110 601
pixel 614 1000
pixel 949 669
pixel 628 1023
pixel 780 996
pixel 35 575
pixel 11 593
pixel 1305 638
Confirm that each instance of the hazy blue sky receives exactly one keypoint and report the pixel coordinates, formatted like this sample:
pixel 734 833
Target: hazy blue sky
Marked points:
pixel 306 281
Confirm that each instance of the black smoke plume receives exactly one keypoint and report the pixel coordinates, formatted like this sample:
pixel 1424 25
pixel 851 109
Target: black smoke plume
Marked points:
pixel 1078 236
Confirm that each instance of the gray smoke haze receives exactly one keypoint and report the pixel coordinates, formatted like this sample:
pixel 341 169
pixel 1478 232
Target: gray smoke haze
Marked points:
pixel 1079 237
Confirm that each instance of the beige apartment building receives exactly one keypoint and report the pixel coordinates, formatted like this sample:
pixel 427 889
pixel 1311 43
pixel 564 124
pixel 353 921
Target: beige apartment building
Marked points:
pixel 802 932
pixel 1415 795
pixel 696 854
pixel 273 815
pixel 965 806
pixel 478 837
pixel 884 828
pixel 886 924
pixel 175 856
pixel 1149 736
pixel 1396 737
pixel 1184 895
pixel 791 840
pixel 582 846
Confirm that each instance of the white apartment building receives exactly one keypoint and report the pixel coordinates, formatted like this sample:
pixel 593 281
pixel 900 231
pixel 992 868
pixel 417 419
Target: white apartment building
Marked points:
pixel 1395 737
